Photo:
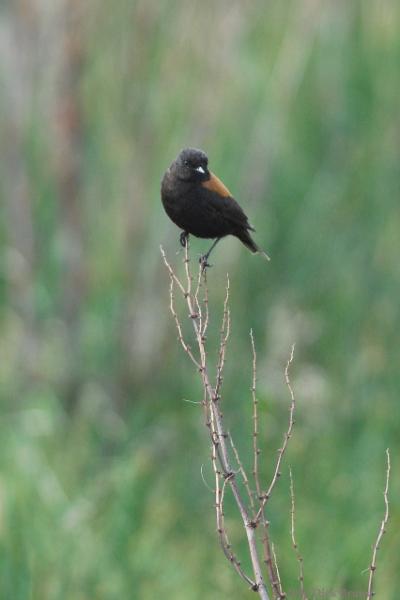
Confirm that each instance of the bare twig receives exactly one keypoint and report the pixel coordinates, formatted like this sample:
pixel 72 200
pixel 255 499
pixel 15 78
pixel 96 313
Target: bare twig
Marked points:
pixel 243 473
pixel 205 302
pixel 276 568
pixel 191 401
pixel 273 572
pixel 382 530
pixel 294 542
pixel 174 279
pixel 214 420
pixel 225 331
pixel 223 536
pixel 282 450
pixel 256 450
pixel 205 482
pixel 251 509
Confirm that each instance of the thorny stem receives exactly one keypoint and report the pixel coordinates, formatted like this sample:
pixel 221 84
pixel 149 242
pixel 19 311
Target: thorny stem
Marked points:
pixel 282 450
pixel 221 529
pixel 225 331
pixel 276 566
pixel 243 474
pixel 268 555
pixel 218 435
pixel 294 542
pixel 382 529
pixel 223 472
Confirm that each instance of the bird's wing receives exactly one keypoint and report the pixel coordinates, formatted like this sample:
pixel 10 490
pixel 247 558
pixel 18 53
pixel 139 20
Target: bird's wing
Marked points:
pixel 225 208
pixel 214 184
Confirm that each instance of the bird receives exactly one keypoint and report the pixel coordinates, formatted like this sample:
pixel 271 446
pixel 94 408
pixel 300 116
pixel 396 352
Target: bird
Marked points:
pixel 201 205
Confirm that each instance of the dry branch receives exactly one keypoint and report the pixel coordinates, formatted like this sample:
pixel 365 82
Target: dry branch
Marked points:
pixel 294 542
pixel 277 472
pixel 251 504
pixel 223 471
pixel 382 530
pixel 269 559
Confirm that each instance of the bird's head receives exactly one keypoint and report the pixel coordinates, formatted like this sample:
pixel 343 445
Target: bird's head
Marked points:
pixel 191 164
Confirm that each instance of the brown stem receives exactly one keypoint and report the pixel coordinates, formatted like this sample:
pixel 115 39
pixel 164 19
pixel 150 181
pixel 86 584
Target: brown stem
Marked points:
pixel 382 530
pixel 218 435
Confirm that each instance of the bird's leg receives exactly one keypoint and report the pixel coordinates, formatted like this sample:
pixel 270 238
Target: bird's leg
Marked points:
pixel 204 259
pixel 183 238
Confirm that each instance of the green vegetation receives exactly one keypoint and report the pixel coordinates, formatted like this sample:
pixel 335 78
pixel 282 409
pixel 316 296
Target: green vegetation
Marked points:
pixel 297 106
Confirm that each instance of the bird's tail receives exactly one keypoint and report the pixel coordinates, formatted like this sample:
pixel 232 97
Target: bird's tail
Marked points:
pixel 246 239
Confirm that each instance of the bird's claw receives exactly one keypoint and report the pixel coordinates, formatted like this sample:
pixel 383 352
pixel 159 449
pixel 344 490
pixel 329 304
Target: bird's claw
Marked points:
pixel 203 260
pixel 183 238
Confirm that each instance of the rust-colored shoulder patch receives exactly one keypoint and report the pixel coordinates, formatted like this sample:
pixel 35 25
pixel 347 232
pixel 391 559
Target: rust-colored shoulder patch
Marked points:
pixel 215 185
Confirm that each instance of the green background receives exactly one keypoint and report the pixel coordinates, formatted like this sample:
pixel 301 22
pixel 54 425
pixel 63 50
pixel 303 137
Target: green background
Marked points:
pixel 297 106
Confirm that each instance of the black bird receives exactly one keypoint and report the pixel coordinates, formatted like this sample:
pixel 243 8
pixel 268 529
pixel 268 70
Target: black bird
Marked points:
pixel 199 203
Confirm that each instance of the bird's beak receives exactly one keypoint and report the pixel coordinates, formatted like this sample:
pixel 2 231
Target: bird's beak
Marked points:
pixel 200 170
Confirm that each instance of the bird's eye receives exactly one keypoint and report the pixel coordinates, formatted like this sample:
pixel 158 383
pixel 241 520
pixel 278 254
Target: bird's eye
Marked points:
pixel 186 163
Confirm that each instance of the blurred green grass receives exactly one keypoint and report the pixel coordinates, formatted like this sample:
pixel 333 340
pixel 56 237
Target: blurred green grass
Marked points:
pixel 296 104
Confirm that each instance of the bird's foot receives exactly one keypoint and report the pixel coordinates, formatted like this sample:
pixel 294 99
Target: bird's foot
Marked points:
pixel 183 238
pixel 203 260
